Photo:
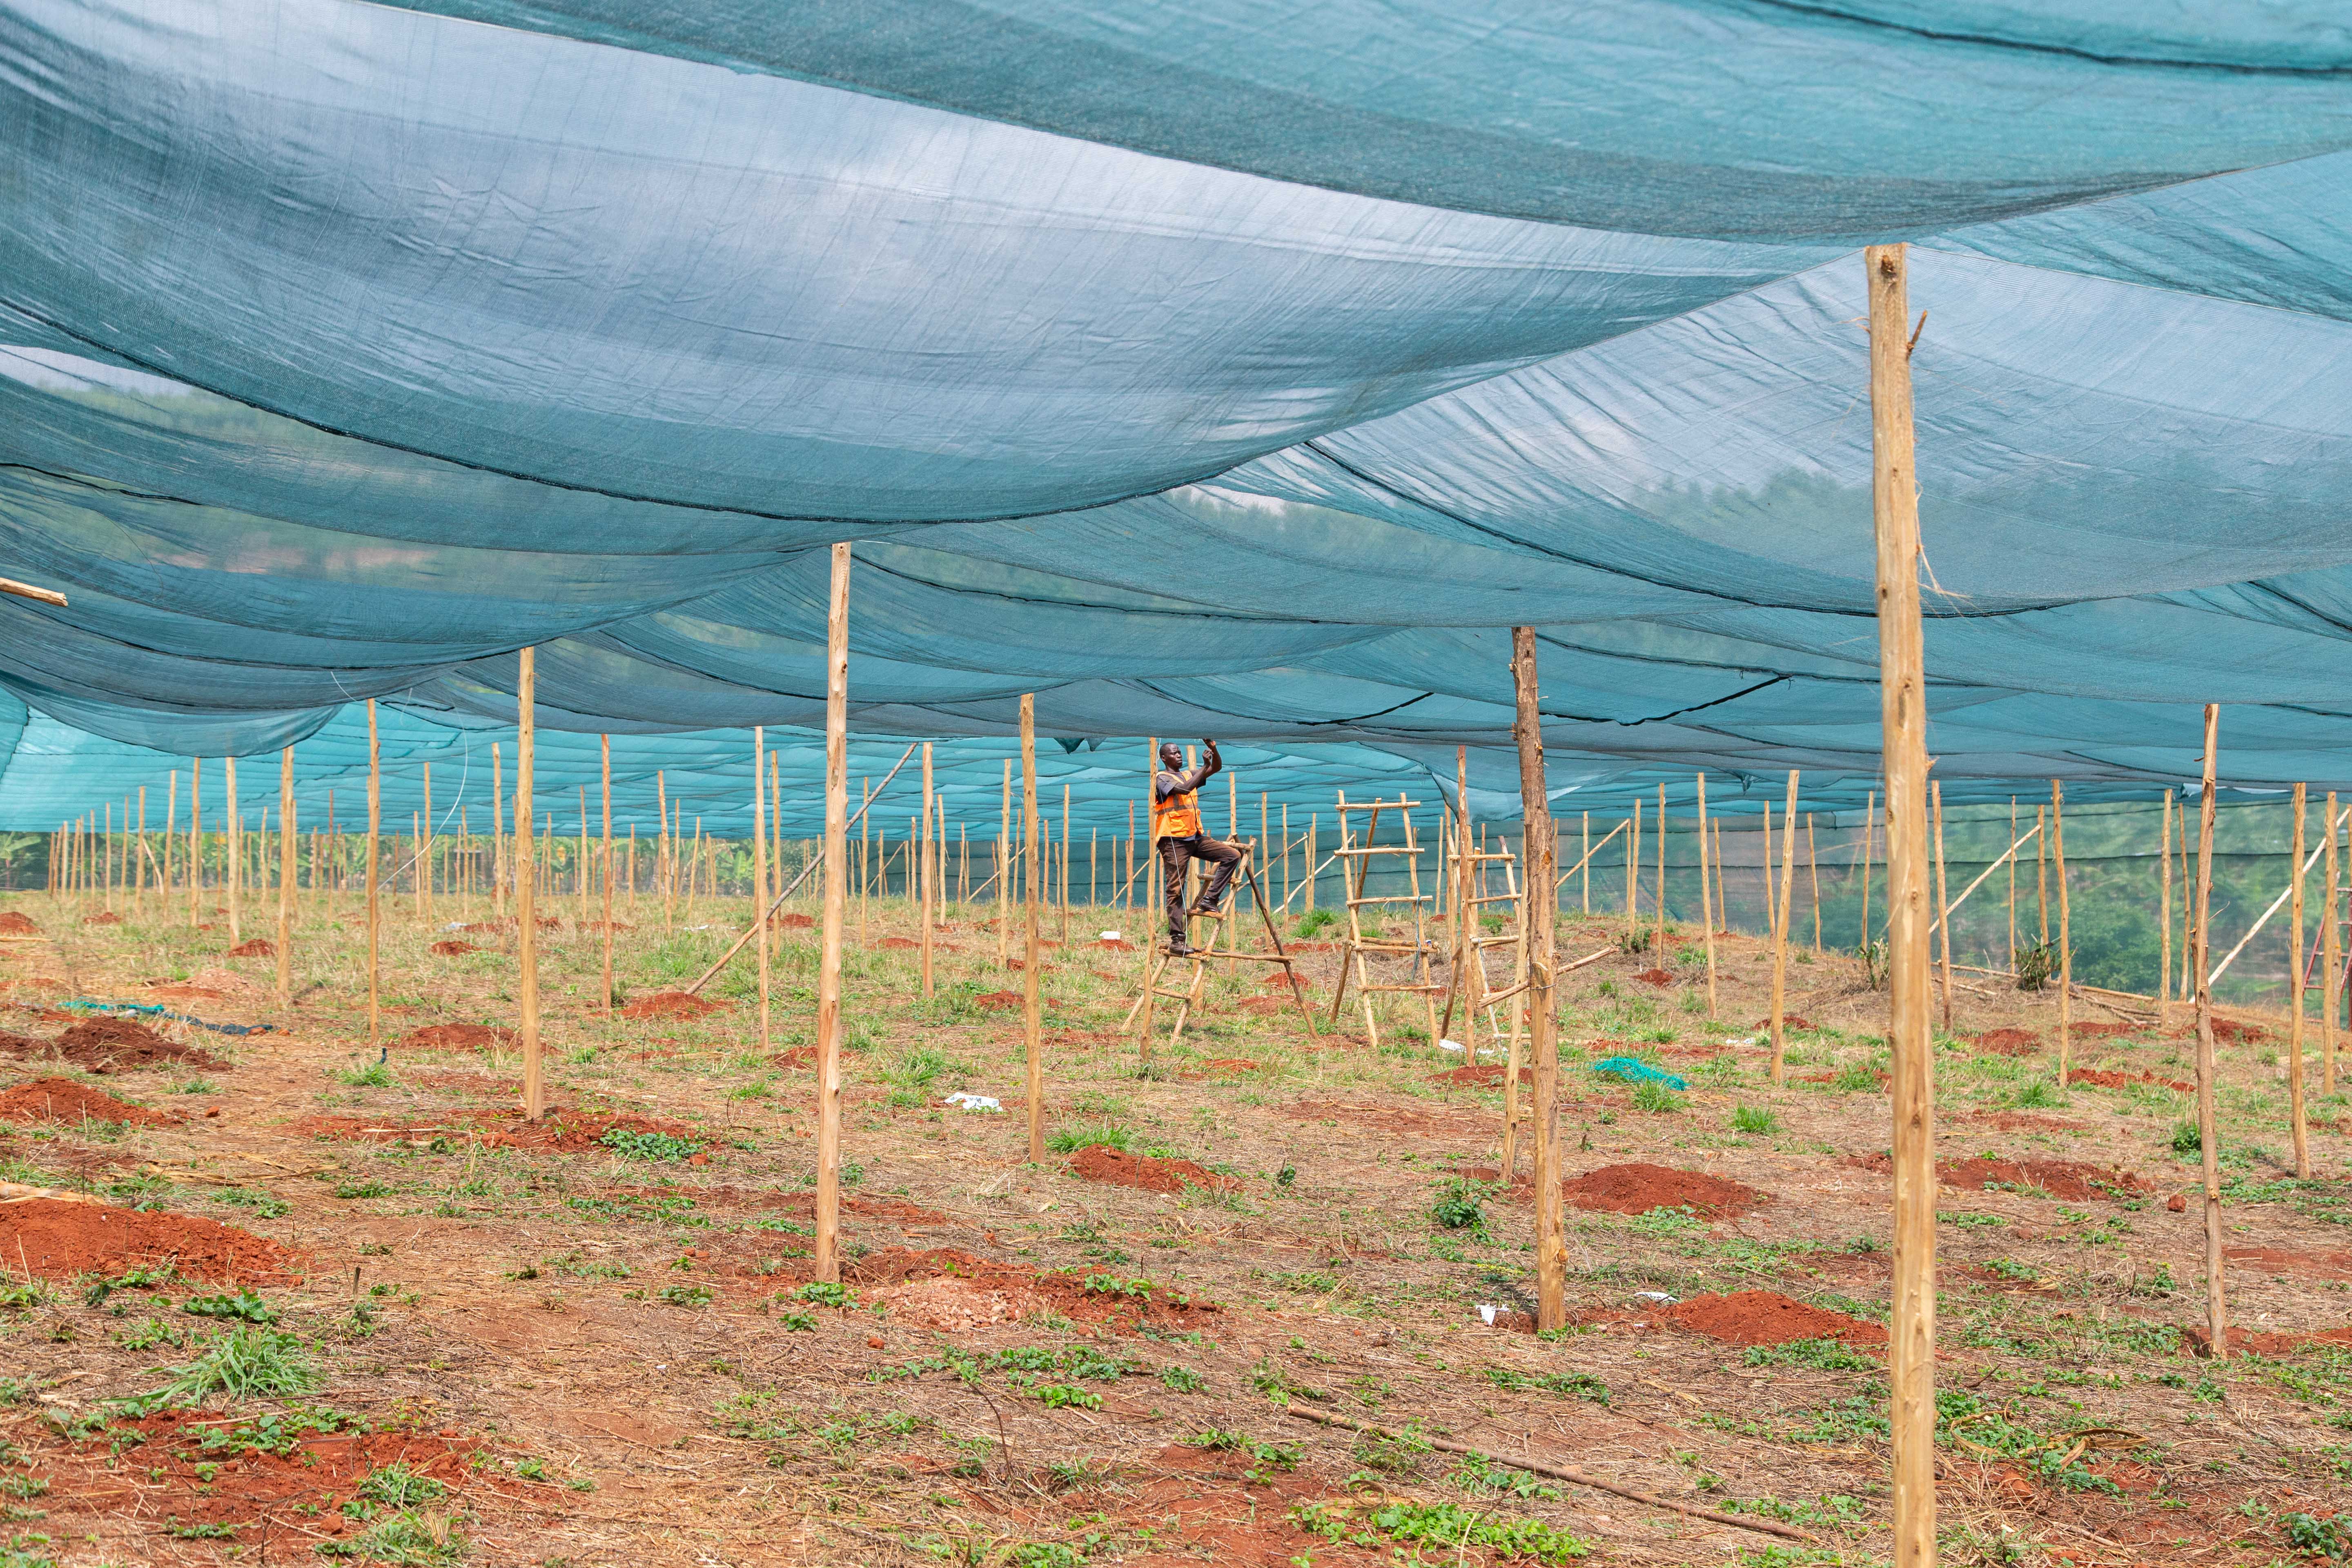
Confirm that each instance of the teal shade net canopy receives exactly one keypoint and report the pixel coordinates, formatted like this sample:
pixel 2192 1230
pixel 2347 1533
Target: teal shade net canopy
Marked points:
pixel 1234 369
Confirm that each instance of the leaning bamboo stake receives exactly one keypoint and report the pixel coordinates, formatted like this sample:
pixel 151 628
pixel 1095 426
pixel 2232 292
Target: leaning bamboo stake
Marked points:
pixel 605 757
pixel 1538 906
pixel 1033 1041
pixel 374 863
pixel 2209 1137
pixel 286 877
pixel 2296 989
pixel 2331 992
pixel 2066 931
pixel 1707 912
pixel 1780 932
pixel 758 872
pixel 1942 908
pixel 1894 508
pixel 824 1254
pixel 534 1085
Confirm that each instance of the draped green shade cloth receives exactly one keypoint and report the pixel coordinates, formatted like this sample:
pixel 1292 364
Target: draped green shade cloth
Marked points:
pixel 1238 368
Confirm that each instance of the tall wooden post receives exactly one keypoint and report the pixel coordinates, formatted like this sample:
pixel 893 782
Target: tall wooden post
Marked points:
pixel 1706 893
pixel 195 834
pixel 171 832
pixel 604 750
pixel 534 1087
pixel 1943 897
pixel 1033 1038
pixel 1634 872
pixel 2065 932
pixel 1004 877
pixel 580 866
pixel 2164 897
pixel 139 858
pixel 825 1255
pixel 286 877
pixel 2331 989
pixel 375 866
pixel 1660 889
pixel 1903 722
pixel 930 805
pixel 2296 996
pixel 235 858
pixel 2217 1309
pixel 424 847
pixel 1780 931
pixel 759 866
pixel 1540 903
pixel 498 836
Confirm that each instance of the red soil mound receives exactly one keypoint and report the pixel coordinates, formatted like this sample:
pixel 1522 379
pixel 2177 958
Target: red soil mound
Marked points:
pixel 453 948
pixel 63 1099
pixel 2068 1179
pixel 899 943
pixel 669 1004
pixel 578 1131
pixel 14 922
pixel 114 1045
pixel 2229 1032
pixel 1767 1318
pixel 1790 1023
pixel 2101 1079
pixel 1660 977
pixel 795 922
pixel 1100 1163
pixel 2200 1340
pixel 1485 1075
pixel 1269 1006
pixel 2107 1031
pixel 57 1241
pixel 255 947
pixel 1639 1188
pixel 2009 1042
pixel 1224 1065
pixel 105 918
pixel 459 1037
pixel 1115 944
pixel 950 1289
pixel 1005 1001
pixel 251 1488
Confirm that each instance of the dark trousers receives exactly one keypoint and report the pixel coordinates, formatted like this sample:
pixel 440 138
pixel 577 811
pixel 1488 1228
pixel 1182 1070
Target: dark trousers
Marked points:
pixel 1174 854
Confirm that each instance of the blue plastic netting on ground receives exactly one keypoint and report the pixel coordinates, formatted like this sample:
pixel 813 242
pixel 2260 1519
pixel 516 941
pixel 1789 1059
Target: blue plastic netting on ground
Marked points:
pixel 1226 370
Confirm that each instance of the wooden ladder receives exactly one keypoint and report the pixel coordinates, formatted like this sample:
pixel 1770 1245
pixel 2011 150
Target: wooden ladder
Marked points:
pixel 1357 856
pixel 1158 959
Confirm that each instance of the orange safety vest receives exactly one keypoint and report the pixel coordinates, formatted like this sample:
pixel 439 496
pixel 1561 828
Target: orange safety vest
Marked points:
pixel 1176 816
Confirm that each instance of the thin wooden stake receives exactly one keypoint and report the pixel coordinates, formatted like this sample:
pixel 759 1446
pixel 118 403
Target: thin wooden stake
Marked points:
pixel 1706 893
pixel 374 865
pixel 931 805
pixel 2209 1136
pixel 1537 907
pixel 1869 847
pixel 1943 908
pixel 498 836
pixel 286 877
pixel 235 858
pixel 1780 932
pixel 824 1256
pixel 1814 872
pixel 2066 931
pixel 2164 897
pixel 759 871
pixel 1033 1040
pixel 1661 888
pixel 1894 507
pixel 604 759
pixel 534 1085
pixel 2296 996
pixel 2331 990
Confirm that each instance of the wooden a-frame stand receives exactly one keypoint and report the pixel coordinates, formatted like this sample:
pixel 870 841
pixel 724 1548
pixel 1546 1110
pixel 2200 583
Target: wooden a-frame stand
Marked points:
pixel 1357 855
pixel 1157 959
pixel 1467 985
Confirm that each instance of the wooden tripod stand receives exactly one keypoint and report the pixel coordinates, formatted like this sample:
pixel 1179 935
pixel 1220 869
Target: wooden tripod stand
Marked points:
pixel 1187 998
pixel 1359 853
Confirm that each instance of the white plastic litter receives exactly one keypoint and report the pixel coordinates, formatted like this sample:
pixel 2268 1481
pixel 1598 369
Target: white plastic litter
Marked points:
pixel 1743 1040
pixel 1487 1311
pixel 1660 1297
pixel 1449 1044
pixel 1112 936
pixel 966 1101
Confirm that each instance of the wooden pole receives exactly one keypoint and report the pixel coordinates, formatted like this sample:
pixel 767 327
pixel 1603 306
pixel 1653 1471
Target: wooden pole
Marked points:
pixel 235 857
pixel 825 1253
pixel 931 805
pixel 1813 873
pixel 1943 903
pixel 1706 912
pixel 1869 847
pixel 374 866
pixel 1232 792
pixel 1538 905
pixel 498 836
pixel 604 760
pixel 139 858
pixel 2331 992
pixel 2296 998
pixel 1033 1040
pixel 286 877
pixel 2065 939
pixel 2164 897
pixel 1584 881
pixel 2217 1324
pixel 1004 877
pixel 534 1085
pixel 1632 871
pixel 424 847
pixel 2041 871
pixel 759 870
pixel 1903 718
pixel 580 872
pixel 195 836
pixel 1781 933
pixel 172 831
pixel 1661 888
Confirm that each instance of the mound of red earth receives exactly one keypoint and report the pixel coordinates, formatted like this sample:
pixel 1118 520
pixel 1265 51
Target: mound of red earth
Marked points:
pixel 795 922
pixel 952 1290
pixel 1638 1188
pixel 55 1239
pixel 1790 1023
pixel 1222 1065
pixel 254 947
pixel 2229 1032
pixel 14 922
pixel 459 1037
pixel 1101 1163
pixel 104 918
pixel 1485 1075
pixel 669 1004
pixel 2007 1042
pixel 1767 1318
pixel 1660 977
pixel 2107 1031
pixel 113 1044
pixel 579 1131
pixel 2100 1078
pixel 2070 1181
pixel 63 1099
pixel 1006 1001
pixel 2200 1340
pixel 453 948
pixel 1115 944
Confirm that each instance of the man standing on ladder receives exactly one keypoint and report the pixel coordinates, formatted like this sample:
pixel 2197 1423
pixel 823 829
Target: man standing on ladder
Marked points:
pixel 1176 829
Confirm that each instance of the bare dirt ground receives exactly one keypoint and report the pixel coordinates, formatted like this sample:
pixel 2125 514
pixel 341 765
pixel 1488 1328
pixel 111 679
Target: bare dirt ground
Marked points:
pixel 341 1303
